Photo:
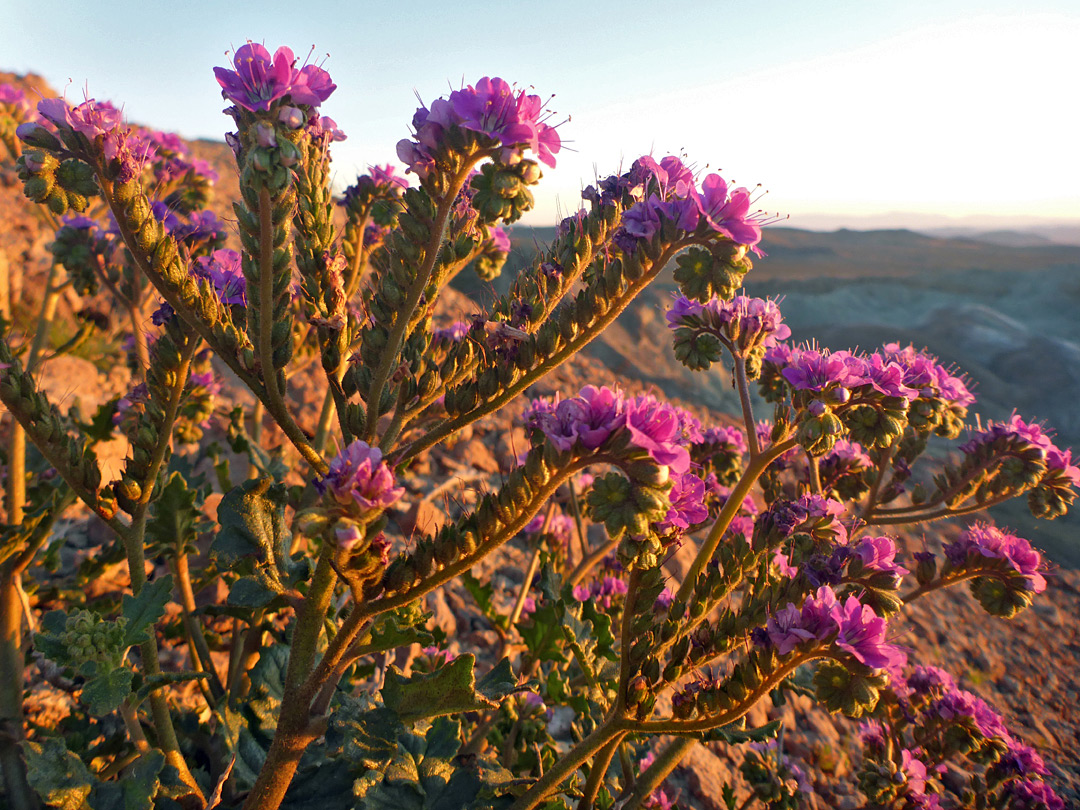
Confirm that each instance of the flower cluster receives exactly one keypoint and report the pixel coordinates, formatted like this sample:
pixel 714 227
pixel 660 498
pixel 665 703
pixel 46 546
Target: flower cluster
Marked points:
pixel 603 592
pixel 851 625
pixel 358 475
pixel 986 541
pixel 494 109
pixel 745 325
pixel 561 528
pixel 261 81
pixel 596 414
pixel 223 270
pixel 668 194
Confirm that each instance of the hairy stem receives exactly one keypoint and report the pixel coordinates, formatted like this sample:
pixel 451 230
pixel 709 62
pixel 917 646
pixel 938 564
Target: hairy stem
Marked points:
pixel 561 770
pixel 666 761
pixel 731 508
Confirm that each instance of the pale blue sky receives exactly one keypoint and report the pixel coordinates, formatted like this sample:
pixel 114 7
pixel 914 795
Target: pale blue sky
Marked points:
pixel 845 109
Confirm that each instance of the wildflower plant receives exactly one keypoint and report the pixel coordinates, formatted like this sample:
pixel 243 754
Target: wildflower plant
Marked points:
pixel 297 693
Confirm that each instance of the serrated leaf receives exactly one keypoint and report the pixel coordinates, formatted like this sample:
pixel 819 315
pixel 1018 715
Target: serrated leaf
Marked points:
pixel 104 693
pixel 401 627
pixel 249 592
pixel 143 611
pixel 499 682
pixel 734 736
pixel 428 775
pixel 325 786
pixel 100 426
pixel 252 519
pixel 176 518
pixel 483 593
pixel 135 790
pixel 364 733
pixel 58 776
pixel 268 687
pixel 448 690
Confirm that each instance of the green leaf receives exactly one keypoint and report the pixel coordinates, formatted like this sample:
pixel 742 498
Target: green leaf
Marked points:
pixel 499 682
pixel 100 426
pixel 401 627
pixel 241 442
pixel 364 733
pixel 143 611
pixel 58 776
pixel 428 775
pixel 268 687
pixel 252 518
pixel 135 790
pixel 250 592
pixel 176 518
pixel 483 593
pixel 105 692
pixel 47 641
pixel 733 735
pixel 447 690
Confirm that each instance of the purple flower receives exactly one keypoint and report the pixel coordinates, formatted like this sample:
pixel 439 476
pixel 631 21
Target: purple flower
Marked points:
pixel 729 437
pixel 91 118
pixel 963 705
pixel 591 417
pixel 813 370
pixel 654 427
pixel 561 528
pixel 914 771
pixel 206 381
pixel 260 80
pixel 223 269
pixel 492 108
pixel 862 633
pixel 359 475
pixel 926 680
pixel 990 541
pixel 879 554
pixel 1028 794
pixel 728 216
pixel 500 240
pixel 688 508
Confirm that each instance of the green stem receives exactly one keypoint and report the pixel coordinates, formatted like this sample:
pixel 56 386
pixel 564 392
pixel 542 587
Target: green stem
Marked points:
pixel 326 415
pixel 416 289
pixel 133 540
pixel 562 769
pixel 450 426
pixel 597 773
pixel 731 508
pixel 747 407
pixel 295 731
pixel 201 657
pixel 275 402
pixel 666 761
pixel 12 765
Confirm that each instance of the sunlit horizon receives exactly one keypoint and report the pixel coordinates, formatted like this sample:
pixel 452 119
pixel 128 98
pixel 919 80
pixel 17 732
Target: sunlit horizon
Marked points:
pixel 957 111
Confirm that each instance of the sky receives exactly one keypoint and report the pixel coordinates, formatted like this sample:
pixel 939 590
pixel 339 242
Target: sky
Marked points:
pixel 844 112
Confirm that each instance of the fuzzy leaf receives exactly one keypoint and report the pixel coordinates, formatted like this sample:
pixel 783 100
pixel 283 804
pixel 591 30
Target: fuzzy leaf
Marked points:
pixel 58 776
pixel 249 592
pixel 176 519
pixel 427 774
pixel 105 692
pixel 447 690
pixel 136 790
pixel 143 611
